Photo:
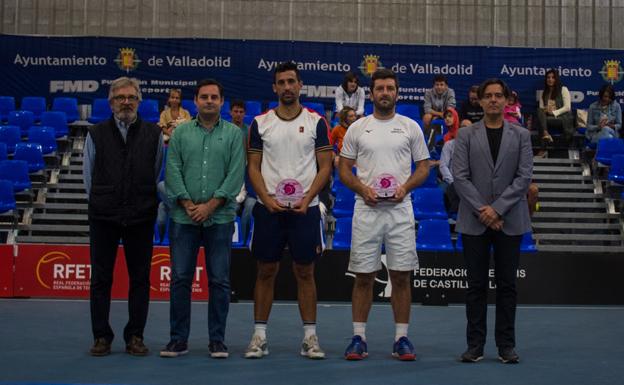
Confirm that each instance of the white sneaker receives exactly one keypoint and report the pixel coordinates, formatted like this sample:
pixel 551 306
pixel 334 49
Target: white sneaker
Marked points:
pixel 257 347
pixel 310 348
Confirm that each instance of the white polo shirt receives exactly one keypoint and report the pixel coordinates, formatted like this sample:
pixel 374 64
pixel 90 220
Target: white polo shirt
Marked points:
pixel 289 147
pixel 384 146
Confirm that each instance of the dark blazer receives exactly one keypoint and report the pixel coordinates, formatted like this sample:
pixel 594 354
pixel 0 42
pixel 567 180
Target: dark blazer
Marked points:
pixel 480 182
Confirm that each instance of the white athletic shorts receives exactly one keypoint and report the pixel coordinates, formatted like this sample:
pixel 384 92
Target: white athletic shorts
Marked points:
pixel 391 225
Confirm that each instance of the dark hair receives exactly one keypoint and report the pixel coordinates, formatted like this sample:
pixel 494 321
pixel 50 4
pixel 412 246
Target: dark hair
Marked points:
pixel 349 76
pixel 209 82
pixel 286 66
pixel 607 88
pixel 440 78
pixel 383 73
pixel 556 91
pixel 237 103
pixel 344 113
pixel 489 82
pixel 474 89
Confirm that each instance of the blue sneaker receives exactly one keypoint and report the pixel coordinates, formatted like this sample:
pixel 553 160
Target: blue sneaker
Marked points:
pixel 403 350
pixel 357 349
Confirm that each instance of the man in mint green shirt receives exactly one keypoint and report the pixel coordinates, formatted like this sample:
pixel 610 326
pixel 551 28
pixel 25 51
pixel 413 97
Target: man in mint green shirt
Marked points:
pixel 205 168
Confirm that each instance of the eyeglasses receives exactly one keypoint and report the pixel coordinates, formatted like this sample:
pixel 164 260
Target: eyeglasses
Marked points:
pixel 123 98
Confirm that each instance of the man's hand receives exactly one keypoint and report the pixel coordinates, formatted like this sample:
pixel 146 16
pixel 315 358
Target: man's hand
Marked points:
pixel 369 195
pixel 188 205
pixel 273 206
pixel 399 195
pixel 497 225
pixel 203 211
pixel 301 207
pixel 487 215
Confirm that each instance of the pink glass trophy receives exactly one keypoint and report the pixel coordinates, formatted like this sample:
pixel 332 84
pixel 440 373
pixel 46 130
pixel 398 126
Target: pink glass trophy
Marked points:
pixel 288 192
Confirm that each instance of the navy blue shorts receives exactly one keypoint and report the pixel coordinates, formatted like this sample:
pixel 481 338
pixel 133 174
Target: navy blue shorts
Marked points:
pixel 302 234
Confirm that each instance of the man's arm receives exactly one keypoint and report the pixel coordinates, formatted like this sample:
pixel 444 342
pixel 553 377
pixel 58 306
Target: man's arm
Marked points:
pixel 451 102
pixel 174 183
pixel 345 165
pixel 324 161
pixel 416 179
pixel 88 163
pixel 445 162
pixel 461 173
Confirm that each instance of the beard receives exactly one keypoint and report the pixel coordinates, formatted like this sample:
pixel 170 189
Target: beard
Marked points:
pixel 287 99
pixel 384 108
pixel 126 115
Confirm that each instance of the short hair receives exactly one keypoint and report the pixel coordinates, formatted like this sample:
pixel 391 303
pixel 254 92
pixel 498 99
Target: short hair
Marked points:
pixel 489 82
pixel 473 89
pixel 383 73
pixel 122 82
pixel 286 66
pixel 344 113
pixel 607 88
pixel 349 76
pixel 237 103
pixel 440 78
pixel 209 82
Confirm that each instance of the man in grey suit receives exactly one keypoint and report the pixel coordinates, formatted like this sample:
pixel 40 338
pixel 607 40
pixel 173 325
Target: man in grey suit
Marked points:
pixel 492 167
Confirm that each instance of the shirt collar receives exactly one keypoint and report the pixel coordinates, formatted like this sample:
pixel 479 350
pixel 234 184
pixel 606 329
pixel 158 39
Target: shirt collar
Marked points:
pixel 123 125
pixel 200 125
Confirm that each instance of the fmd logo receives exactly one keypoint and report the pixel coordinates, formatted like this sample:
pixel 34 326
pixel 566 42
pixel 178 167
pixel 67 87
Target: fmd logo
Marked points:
pixel 127 59
pixel 72 86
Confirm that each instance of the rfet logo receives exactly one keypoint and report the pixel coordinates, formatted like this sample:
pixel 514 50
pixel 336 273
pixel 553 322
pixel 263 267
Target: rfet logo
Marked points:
pixel 127 59
pixel 370 64
pixel 55 271
pixel 161 274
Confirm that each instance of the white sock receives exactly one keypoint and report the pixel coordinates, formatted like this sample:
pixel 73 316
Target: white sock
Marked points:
pixel 309 329
pixel 359 329
pixel 260 330
pixel 400 331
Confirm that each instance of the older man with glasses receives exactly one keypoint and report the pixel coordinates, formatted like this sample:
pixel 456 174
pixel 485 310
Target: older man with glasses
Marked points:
pixel 122 162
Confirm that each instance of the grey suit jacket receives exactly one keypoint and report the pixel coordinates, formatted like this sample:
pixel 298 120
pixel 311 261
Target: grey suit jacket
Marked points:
pixel 480 182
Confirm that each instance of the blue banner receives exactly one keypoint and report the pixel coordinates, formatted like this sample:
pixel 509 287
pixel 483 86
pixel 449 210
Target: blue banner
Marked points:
pixel 83 67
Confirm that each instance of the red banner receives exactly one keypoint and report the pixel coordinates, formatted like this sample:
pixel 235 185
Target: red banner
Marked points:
pixel 64 271
pixel 6 271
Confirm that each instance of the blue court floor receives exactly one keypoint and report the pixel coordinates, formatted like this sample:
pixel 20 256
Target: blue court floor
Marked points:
pixel 47 342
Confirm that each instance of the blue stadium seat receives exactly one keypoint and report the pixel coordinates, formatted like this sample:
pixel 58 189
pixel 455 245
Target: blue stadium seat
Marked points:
pixel 100 111
pixel 607 147
pixel 67 105
pixel 3 151
pixel 344 203
pixel 31 153
pixel 10 135
pixel 342 235
pixel 35 104
pixel 432 179
pixel 429 203
pixel 23 119
pixel 528 244
pixel 368 108
pixel 56 120
pixel 7 196
pixel 616 172
pixel 318 107
pixel 44 135
pixel 148 110
pixel 434 235
pixel 412 111
pixel 272 104
pixel 190 106
pixel 17 172
pixel 253 108
pixel 7 104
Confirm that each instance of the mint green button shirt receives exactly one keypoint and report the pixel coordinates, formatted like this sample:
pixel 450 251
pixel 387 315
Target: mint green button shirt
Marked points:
pixel 202 164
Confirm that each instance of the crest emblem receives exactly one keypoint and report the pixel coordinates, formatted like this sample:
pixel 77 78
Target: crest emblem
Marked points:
pixel 612 71
pixel 127 59
pixel 370 64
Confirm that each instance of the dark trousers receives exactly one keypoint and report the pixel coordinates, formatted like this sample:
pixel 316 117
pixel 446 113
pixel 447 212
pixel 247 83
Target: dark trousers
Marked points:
pixel 137 242
pixel 477 258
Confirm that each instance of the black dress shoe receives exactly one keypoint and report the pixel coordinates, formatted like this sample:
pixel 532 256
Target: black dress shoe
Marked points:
pixel 508 355
pixel 101 347
pixel 472 354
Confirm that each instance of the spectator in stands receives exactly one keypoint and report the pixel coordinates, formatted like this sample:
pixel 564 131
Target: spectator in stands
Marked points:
pixel 451 121
pixel 123 160
pixel 237 112
pixel 385 145
pixel 347 117
pixel 492 169
pixel 173 114
pixel 437 100
pixel 471 111
pixel 604 118
pixel 512 110
pixel 289 155
pixel 555 106
pixel 205 167
pixel 350 94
